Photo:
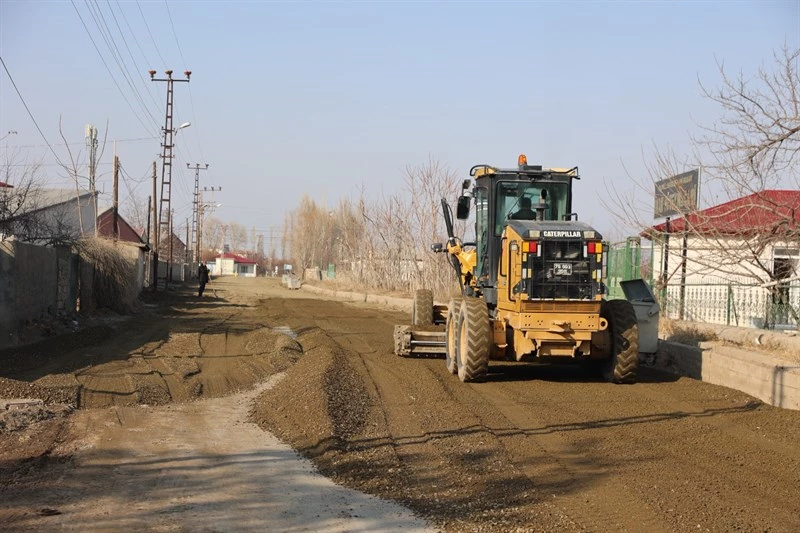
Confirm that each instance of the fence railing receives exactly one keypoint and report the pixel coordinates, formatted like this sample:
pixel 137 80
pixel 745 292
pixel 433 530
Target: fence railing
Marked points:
pixel 734 304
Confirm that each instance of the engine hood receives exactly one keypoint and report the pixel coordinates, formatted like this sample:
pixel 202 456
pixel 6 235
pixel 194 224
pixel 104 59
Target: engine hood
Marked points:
pixel 554 229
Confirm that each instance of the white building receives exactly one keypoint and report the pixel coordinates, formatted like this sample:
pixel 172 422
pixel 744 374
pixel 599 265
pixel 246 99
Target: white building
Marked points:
pixel 735 263
pixel 229 264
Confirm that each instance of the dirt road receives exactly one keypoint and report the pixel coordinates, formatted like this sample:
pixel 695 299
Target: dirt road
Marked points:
pixel 535 448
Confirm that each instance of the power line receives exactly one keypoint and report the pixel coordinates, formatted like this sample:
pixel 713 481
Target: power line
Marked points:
pixel 130 54
pixel 141 51
pixel 121 92
pixel 105 32
pixel 175 34
pixel 136 139
pixel 191 96
pixel 29 113
pixel 146 25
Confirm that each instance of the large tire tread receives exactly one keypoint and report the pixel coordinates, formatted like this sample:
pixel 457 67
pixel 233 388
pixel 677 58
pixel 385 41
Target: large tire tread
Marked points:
pixel 623 364
pixel 422 310
pixel 474 340
pixel 451 335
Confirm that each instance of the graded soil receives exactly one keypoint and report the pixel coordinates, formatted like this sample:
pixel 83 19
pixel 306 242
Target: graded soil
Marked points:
pixel 534 448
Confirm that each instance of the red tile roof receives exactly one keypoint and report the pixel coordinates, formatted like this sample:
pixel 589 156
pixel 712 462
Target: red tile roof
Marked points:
pixel 105 228
pixel 6 185
pixel 773 211
pixel 237 259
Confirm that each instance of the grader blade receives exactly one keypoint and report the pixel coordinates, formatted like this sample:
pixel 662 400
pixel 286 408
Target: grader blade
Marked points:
pixel 419 340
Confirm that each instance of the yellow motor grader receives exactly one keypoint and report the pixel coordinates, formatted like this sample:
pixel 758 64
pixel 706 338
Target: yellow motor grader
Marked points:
pixel 532 283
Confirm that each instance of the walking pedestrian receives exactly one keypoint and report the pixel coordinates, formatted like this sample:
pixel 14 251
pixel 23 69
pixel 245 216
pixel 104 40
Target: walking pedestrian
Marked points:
pixel 202 277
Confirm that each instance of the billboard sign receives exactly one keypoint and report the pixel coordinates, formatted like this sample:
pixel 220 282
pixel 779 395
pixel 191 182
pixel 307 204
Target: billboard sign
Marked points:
pixel 677 195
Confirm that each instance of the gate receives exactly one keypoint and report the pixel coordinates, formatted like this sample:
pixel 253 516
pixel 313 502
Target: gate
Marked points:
pixel 623 263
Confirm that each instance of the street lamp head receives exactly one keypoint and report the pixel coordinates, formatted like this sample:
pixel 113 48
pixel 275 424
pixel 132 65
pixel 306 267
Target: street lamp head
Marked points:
pixel 152 74
pixel 184 125
pixel 187 73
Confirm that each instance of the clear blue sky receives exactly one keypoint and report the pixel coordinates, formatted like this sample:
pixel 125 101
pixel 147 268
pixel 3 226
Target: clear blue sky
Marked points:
pixel 322 97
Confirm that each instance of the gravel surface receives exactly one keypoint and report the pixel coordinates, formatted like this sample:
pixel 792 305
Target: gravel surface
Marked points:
pixel 534 448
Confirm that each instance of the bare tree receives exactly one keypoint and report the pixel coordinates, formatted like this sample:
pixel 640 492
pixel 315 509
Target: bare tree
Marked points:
pixel 17 196
pixel 212 233
pixel 237 236
pixel 755 144
pixel 749 151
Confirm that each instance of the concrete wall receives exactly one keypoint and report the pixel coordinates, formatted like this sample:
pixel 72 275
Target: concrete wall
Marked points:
pixel 29 289
pixel 135 256
pixel 766 376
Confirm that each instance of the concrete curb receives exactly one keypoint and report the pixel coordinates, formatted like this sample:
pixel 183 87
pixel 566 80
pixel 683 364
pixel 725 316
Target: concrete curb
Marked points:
pixel 770 378
pixel 400 304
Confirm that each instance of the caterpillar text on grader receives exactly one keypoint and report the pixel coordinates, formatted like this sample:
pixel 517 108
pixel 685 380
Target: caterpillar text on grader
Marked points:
pixel 532 282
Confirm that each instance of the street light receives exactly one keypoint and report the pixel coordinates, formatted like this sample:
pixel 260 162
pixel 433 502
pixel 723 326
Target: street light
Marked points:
pixel 184 125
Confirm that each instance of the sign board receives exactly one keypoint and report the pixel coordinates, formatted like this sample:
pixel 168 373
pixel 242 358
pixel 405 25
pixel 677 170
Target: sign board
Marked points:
pixel 676 195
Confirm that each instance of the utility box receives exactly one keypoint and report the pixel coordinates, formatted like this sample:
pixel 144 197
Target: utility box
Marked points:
pixel 648 312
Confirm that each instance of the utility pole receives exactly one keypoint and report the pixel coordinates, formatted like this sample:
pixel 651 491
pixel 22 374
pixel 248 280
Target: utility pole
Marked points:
pixel 166 163
pixel 149 213
pixel 91 149
pixel 186 249
pixel 170 213
pixel 115 212
pixel 196 212
pixel 154 237
pixel 200 212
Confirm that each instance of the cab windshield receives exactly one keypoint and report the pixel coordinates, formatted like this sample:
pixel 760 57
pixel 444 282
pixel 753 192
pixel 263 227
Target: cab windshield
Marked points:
pixel 526 200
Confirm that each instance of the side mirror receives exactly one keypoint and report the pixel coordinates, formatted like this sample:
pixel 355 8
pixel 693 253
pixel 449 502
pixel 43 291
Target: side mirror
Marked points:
pixel 437 247
pixel 462 208
pixel 466 184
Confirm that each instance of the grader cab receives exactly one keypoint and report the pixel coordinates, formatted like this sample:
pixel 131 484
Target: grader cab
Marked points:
pixel 532 285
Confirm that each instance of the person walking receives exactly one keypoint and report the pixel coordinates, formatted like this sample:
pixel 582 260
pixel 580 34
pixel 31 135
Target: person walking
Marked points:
pixel 202 277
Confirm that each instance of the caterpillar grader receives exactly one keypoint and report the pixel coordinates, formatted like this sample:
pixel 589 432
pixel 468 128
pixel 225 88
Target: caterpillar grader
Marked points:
pixel 532 283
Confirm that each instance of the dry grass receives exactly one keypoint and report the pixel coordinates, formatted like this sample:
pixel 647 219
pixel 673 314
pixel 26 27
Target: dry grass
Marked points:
pixel 680 332
pixel 114 275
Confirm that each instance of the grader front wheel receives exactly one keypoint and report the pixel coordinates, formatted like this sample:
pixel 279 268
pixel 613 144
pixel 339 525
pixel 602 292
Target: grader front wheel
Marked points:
pixel 622 365
pixel 474 340
pixel 451 335
pixel 422 310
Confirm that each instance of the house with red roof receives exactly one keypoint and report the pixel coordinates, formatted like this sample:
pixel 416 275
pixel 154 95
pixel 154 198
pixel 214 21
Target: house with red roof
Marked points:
pixel 229 264
pixel 747 248
pixel 125 232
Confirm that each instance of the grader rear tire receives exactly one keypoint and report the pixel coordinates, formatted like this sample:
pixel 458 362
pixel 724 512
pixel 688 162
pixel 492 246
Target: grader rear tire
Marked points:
pixel 422 310
pixel 474 338
pixel 451 336
pixel 623 328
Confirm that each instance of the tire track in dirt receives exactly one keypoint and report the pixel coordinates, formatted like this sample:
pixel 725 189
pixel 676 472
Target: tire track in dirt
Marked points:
pixel 471 460
pixel 662 455
pixel 580 484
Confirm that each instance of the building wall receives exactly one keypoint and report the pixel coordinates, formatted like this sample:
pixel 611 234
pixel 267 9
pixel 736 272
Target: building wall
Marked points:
pixel 720 290
pixel 75 221
pixel 706 264
pixel 226 266
pixel 246 270
pixel 28 287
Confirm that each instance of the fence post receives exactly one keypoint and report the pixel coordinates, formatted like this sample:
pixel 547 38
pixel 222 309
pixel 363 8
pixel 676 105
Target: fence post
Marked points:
pixel 728 313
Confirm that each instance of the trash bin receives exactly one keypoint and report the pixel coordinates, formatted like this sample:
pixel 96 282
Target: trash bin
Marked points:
pixel 638 293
